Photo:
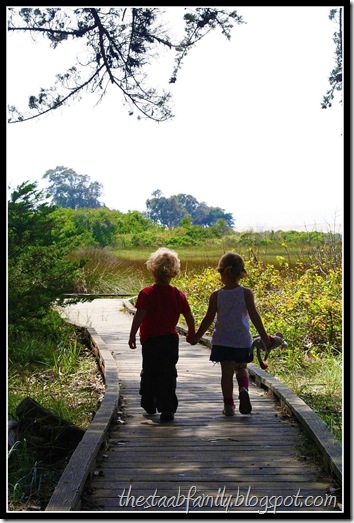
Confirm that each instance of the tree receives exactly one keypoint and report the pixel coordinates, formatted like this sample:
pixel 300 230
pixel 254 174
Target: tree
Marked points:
pixel 335 78
pixel 119 45
pixel 73 190
pixel 166 211
pixel 173 210
pixel 190 203
pixel 208 216
pixel 39 276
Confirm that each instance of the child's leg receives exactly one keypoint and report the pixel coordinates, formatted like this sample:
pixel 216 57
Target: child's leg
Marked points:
pixel 242 377
pixel 148 378
pixel 167 348
pixel 227 386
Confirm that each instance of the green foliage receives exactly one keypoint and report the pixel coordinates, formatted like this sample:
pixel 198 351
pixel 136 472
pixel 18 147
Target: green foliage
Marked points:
pixel 198 286
pixel 27 476
pixel 73 190
pixel 44 363
pixel 50 364
pixel 180 241
pixel 165 211
pixel 38 274
pixel 76 224
pixel 303 304
pixel 103 227
pixel 321 387
pixel 134 221
pixel 37 338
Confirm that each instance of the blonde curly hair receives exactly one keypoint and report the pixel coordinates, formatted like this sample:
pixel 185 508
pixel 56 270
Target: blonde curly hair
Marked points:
pixel 164 263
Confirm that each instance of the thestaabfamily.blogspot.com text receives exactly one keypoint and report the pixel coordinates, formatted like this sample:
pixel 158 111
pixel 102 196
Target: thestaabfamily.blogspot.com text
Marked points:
pixel 192 499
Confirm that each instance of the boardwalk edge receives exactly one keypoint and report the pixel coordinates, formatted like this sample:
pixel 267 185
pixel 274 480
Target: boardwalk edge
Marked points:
pixel 67 494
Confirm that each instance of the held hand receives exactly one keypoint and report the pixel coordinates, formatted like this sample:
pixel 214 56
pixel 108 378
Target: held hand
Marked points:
pixel 192 339
pixel 268 342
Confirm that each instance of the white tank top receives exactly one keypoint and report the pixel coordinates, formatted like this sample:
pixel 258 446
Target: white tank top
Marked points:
pixel 232 326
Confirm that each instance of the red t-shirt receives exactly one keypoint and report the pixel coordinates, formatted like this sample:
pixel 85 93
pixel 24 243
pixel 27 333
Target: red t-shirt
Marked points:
pixel 163 305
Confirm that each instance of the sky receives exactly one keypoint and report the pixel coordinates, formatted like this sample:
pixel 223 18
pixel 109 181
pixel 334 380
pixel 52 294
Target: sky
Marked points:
pixel 248 136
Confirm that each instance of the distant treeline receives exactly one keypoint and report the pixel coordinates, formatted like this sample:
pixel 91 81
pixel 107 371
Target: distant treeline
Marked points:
pixel 104 227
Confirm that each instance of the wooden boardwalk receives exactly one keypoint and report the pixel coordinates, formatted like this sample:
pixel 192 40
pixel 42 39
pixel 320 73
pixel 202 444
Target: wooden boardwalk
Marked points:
pixel 202 461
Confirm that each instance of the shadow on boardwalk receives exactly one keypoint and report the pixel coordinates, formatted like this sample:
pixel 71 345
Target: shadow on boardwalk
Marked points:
pixel 202 461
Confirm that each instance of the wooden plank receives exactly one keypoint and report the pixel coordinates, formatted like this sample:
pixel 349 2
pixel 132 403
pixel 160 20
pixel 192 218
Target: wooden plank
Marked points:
pixel 187 473
pixel 105 487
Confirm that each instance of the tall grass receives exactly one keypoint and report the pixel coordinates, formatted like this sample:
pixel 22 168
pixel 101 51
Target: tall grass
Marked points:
pixel 105 273
pixel 51 365
pixel 45 368
pixel 29 479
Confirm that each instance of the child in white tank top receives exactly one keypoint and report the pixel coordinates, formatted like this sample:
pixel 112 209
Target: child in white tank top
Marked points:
pixel 234 308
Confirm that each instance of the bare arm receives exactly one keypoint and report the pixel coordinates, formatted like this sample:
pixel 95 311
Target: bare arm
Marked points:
pixel 138 318
pixel 207 320
pixel 255 317
pixel 190 323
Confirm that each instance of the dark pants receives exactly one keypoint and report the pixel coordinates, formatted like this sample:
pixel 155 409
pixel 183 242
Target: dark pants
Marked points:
pixel 159 374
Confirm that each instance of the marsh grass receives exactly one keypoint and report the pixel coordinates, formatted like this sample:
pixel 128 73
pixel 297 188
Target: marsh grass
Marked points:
pixel 208 254
pixel 317 380
pixel 105 273
pixel 30 481
pixel 57 370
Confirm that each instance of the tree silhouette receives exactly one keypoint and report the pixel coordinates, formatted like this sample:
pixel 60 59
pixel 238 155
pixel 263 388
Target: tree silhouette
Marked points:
pixel 336 77
pixel 120 44
pixel 173 210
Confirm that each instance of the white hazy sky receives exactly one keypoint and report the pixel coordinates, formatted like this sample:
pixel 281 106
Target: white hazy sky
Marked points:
pixel 249 134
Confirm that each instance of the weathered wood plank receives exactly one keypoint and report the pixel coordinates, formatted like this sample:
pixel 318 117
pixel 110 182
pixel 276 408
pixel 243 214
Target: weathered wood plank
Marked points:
pixel 196 473
pixel 105 487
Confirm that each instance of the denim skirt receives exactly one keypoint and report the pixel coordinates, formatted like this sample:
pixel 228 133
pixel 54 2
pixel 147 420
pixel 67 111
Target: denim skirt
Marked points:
pixel 222 353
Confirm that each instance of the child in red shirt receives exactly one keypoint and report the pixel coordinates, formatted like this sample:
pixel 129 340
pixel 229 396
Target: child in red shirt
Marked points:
pixel 158 309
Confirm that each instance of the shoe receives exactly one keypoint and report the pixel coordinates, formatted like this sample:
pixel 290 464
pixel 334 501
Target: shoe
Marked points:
pixel 167 416
pixel 229 410
pixel 149 406
pixel 150 411
pixel 245 406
